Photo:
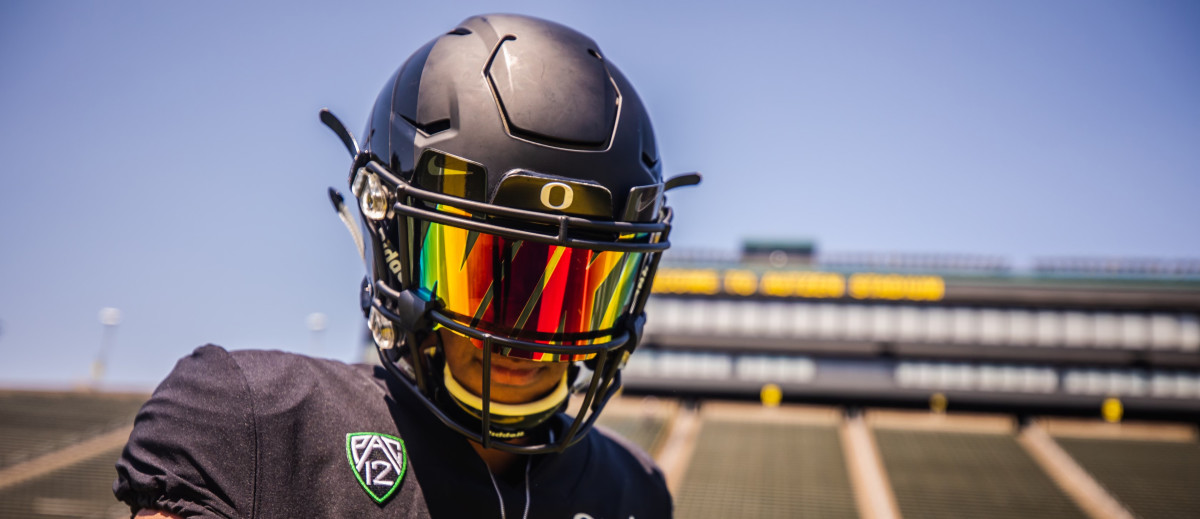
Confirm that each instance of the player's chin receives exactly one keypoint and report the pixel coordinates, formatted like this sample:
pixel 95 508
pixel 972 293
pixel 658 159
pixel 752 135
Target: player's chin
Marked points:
pixel 518 376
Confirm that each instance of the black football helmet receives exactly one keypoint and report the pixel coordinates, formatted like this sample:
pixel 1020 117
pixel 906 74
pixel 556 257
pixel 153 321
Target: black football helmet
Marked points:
pixel 511 192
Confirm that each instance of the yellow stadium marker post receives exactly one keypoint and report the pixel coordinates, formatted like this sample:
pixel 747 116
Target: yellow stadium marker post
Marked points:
pixel 770 395
pixel 1112 410
pixel 938 403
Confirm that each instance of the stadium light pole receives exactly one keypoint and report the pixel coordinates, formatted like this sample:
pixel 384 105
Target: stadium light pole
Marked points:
pixel 316 324
pixel 110 318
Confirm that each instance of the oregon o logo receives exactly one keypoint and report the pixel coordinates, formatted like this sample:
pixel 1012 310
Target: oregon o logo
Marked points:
pixel 568 195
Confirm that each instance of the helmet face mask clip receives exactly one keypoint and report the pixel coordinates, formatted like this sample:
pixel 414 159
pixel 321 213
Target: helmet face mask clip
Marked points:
pixel 531 235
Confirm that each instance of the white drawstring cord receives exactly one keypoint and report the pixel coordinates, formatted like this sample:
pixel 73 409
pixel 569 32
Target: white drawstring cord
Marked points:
pixel 528 461
pixel 500 497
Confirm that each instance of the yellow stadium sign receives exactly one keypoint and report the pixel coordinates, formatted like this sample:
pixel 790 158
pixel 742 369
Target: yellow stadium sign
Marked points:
pixel 805 284
pixel 896 286
pixel 741 282
pixel 687 281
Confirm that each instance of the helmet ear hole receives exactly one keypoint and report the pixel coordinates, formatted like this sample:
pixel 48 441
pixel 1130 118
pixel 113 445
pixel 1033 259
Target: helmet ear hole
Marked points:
pixel 364 296
pixel 396 354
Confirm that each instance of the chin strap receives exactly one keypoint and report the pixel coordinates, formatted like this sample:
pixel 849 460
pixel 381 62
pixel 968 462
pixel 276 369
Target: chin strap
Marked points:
pixel 512 411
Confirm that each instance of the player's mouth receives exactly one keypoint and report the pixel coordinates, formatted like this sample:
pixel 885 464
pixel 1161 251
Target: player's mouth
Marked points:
pixel 509 372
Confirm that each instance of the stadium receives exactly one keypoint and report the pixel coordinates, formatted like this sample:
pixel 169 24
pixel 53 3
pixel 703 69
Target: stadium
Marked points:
pixel 778 382
pixel 166 159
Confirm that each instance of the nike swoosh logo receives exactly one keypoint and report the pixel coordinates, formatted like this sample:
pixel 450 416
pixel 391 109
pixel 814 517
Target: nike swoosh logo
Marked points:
pixel 647 200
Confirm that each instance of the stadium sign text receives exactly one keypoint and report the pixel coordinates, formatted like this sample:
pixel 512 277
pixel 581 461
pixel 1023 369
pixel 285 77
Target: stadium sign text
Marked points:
pixel 803 284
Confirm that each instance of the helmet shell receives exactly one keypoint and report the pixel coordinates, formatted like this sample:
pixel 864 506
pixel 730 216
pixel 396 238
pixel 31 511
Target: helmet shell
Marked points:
pixel 541 140
pixel 516 93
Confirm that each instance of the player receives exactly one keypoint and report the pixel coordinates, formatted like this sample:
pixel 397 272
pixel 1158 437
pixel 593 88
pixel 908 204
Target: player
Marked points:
pixel 512 217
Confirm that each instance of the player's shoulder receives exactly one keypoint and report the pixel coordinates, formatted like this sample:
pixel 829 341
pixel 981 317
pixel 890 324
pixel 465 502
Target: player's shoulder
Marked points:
pixel 632 457
pixel 282 364
pixel 209 438
pixel 215 360
pixel 276 374
pixel 630 475
pixel 623 460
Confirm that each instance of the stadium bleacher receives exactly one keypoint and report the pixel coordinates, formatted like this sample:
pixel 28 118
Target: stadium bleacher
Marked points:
pixel 34 423
pixel 1154 479
pixel 735 459
pixel 57 451
pixel 82 489
pixel 748 469
pixel 954 474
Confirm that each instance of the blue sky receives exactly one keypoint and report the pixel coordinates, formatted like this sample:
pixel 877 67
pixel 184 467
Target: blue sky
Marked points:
pixel 165 158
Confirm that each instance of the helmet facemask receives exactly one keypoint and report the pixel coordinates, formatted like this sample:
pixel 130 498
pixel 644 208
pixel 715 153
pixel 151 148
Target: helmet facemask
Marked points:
pixel 519 283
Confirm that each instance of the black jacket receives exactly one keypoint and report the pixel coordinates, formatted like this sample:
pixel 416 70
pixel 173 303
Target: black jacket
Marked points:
pixel 261 434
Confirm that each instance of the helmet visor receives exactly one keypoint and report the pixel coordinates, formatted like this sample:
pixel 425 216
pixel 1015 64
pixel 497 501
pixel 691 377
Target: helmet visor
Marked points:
pixel 533 291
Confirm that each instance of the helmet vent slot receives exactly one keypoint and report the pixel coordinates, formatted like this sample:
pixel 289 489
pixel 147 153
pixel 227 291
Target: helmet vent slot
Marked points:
pixel 460 31
pixel 649 161
pixel 431 128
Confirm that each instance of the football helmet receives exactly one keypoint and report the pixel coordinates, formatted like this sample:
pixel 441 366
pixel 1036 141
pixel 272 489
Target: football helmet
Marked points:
pixel 510 191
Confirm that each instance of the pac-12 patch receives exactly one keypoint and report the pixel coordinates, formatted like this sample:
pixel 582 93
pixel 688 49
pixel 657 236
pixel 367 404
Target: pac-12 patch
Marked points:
pixel 378 461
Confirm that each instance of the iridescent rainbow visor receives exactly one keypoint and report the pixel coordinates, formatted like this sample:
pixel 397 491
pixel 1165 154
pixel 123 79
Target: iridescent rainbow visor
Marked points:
pixel 527 290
